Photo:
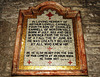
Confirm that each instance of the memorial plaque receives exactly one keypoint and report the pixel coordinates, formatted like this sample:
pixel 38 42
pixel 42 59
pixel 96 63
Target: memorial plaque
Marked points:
pixel 49 41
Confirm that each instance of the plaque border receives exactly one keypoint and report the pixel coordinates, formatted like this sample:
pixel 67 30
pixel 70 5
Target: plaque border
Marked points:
pixel 66 12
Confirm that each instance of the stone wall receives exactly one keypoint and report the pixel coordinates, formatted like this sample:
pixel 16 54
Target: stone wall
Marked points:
pixel 90 13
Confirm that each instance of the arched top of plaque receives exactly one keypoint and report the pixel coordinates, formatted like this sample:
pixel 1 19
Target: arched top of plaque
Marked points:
pixel 50 5
pixel 66 12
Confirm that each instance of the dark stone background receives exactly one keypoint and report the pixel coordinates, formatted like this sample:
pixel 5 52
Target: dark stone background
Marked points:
pixel 90 13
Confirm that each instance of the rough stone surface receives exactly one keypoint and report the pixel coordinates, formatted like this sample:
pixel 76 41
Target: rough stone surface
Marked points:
pixel 90 13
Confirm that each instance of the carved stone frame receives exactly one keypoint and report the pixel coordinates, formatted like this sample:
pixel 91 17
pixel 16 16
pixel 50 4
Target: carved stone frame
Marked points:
pixel 66 12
